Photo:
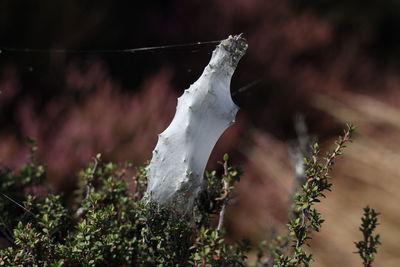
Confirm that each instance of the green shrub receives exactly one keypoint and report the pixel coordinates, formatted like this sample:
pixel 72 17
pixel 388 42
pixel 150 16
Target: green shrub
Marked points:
pixel 110 225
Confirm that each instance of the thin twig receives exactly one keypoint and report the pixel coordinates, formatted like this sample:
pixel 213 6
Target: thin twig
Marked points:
pixel 300 150
pixel 224 197
pixel 89 187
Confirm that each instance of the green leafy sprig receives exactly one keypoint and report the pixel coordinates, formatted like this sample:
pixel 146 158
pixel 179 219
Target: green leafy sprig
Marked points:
pixel 306 217
pixel 367 248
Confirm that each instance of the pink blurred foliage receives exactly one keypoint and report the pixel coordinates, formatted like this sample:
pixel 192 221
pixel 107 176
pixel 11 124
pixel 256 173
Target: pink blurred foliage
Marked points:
pixel 121 126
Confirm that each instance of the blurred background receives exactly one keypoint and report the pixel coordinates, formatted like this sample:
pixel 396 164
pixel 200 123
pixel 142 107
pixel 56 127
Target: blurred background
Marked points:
pixel 331 61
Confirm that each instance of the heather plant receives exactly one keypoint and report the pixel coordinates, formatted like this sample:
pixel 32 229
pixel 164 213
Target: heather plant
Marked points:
pixel 306 217
pixel 110 225
pixel 289 251
pixel 367 248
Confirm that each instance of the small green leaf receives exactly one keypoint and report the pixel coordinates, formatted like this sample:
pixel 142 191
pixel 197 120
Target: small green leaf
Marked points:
pixel 226 157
